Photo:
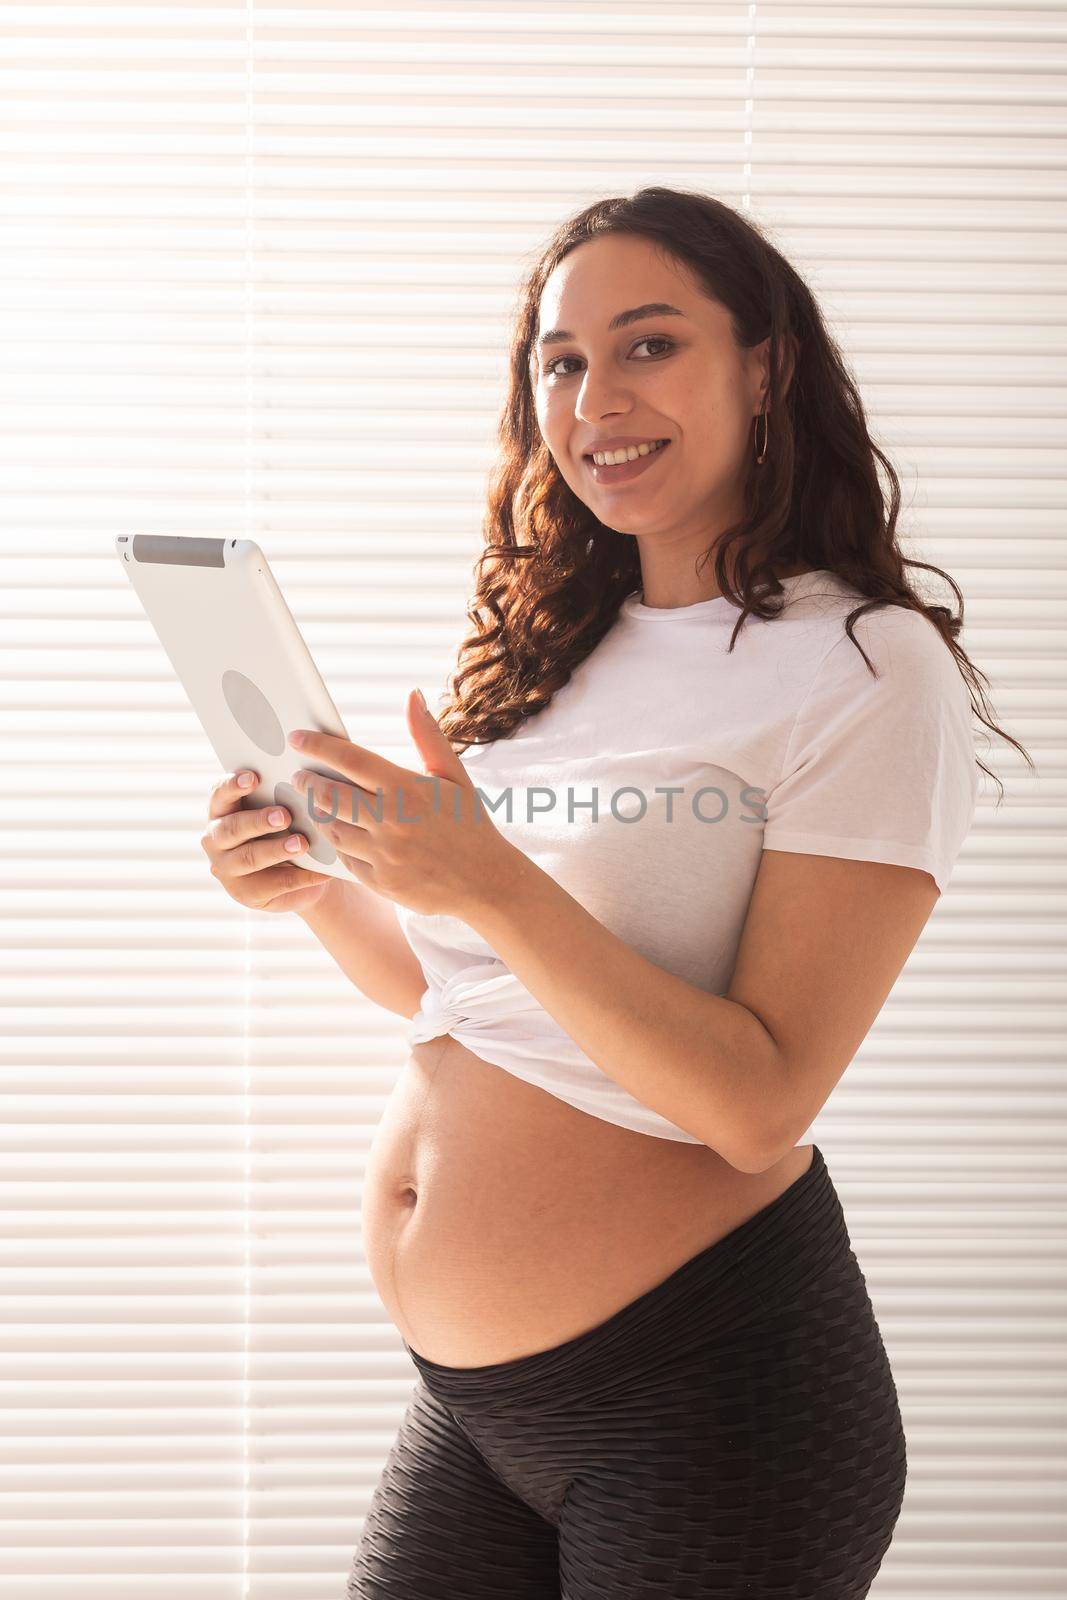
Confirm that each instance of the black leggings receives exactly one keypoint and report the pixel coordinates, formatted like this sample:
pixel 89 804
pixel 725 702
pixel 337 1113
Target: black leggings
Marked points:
pixel 732 1432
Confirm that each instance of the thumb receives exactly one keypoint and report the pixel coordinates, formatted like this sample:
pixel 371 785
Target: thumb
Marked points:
pixel 438 756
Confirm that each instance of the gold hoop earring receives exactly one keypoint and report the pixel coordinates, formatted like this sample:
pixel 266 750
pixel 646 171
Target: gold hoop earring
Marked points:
pixel 761 456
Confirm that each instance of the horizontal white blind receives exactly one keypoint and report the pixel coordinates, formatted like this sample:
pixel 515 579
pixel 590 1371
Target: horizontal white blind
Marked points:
pixel 256 270
pixel 910 162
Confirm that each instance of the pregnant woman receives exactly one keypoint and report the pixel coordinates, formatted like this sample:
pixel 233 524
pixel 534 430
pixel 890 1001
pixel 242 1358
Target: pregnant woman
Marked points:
pixel 704 768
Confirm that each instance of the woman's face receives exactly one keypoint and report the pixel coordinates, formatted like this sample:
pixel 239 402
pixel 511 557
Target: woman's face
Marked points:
pixel 662 376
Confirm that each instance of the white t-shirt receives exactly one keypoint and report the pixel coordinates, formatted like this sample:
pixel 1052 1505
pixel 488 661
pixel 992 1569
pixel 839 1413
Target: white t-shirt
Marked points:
pixel 696 760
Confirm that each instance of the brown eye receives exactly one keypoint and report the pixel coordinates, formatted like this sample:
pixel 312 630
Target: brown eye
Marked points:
pixel 550 366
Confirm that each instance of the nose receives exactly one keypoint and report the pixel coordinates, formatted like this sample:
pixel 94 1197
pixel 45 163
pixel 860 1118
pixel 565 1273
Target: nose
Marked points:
pixel 597 399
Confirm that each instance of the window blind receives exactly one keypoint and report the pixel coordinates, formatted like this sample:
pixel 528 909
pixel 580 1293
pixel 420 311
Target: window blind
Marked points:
pixel 257 271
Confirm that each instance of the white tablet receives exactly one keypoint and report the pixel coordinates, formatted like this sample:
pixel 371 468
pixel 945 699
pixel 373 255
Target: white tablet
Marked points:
pixel 232 640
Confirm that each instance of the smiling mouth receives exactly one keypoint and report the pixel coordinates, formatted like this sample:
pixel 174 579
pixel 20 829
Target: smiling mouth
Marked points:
pixel 654 447
pixel 625 470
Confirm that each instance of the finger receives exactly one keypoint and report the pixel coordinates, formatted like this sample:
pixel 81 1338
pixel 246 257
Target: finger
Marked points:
pixel 347 760
pixel 349 838
pixel 260 822
pixel 332 801
pixel 327 797
pixel 227 794
pixel 259 890
pixel 238 827
pixel 361 870
pixel 255 854
pixel 296 899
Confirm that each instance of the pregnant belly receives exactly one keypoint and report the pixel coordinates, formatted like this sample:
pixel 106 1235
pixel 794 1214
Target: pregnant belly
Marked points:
pixel 498 1221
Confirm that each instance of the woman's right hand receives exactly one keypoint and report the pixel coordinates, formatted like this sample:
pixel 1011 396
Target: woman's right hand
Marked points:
pixel 248 855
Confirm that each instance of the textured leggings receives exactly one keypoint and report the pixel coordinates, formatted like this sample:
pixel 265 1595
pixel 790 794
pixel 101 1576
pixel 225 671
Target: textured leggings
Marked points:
pixel 732 1432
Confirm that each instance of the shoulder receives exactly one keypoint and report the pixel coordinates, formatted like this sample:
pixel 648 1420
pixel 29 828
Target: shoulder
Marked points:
pixel 904 648
pixel 915 693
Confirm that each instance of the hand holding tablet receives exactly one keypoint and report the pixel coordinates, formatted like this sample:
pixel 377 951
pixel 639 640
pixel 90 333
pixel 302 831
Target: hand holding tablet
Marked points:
pixel 253 853
pixel 232 640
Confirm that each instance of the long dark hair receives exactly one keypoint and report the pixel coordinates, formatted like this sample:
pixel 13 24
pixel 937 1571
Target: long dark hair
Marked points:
pixel 552 577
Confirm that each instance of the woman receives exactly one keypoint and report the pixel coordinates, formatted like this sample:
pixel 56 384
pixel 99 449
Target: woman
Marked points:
pixel 648 1363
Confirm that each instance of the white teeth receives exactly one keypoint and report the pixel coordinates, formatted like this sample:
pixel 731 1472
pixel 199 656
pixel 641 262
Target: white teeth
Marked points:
pixel 612 458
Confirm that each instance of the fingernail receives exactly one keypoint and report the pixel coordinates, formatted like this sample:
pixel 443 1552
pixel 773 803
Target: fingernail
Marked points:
pixel 296 739
pixel 421 699
pixel 246 780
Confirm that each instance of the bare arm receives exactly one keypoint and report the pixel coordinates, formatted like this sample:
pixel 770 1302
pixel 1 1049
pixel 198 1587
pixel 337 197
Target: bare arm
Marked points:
pixel 746 1072
pixel 360 930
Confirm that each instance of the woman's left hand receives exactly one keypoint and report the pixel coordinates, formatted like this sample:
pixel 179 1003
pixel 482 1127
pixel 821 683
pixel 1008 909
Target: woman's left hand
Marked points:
pixel 435 848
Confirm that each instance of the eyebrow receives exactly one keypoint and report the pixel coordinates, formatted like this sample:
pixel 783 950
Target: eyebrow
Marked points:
pixel 655 308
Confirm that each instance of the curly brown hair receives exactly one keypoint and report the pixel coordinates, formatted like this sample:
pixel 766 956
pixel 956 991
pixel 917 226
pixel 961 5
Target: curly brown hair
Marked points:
pixel 552 577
